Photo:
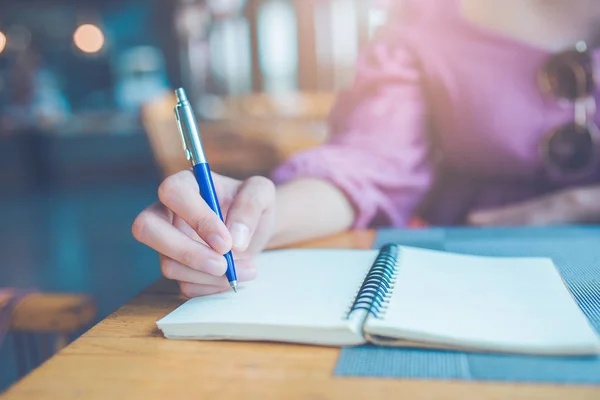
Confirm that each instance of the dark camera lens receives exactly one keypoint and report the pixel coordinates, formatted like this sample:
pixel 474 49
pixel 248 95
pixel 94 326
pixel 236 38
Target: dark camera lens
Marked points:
pixel 570 148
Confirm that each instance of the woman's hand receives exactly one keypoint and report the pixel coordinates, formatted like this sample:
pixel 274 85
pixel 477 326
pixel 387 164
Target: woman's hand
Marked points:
pixel 577 205
pixel 191 239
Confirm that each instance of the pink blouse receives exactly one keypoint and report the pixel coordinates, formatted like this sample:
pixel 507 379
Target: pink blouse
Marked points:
pixel 443 118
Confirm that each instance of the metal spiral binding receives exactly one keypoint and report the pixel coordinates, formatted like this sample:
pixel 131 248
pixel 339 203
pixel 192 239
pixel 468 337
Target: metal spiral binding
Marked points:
pixel 376 289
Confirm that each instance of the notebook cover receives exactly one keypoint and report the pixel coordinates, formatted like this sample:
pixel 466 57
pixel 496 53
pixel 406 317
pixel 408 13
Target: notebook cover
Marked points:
pixel 575 251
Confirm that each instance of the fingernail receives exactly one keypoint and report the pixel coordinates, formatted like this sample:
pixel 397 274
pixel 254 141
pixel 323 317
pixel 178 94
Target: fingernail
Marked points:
pixel 216 267
pixel 240 235
pixel 217 243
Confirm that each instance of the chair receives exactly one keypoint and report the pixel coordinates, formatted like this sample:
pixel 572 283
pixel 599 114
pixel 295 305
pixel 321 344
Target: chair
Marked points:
pixel 42 324
pixel 242 135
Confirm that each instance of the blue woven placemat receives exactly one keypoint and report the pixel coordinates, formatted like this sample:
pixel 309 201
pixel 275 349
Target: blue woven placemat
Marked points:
pixel 576 252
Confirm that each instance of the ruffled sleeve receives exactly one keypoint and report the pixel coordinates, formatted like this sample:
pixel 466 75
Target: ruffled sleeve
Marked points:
pixel 379 151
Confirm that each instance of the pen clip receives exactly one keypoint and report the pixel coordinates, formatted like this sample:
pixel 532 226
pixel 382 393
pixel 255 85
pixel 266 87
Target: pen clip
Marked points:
pixel 184 137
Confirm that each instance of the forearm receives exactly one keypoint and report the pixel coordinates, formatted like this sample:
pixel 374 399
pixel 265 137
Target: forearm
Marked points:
pixel 307 209
pixel 567 206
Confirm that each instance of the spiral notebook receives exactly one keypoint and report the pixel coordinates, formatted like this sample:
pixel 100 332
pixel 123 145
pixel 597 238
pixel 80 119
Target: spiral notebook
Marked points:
pixel 396 296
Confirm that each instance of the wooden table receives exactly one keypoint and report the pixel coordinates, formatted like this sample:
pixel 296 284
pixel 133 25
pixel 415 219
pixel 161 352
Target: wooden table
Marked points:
pixel 61 314
pixel 125 357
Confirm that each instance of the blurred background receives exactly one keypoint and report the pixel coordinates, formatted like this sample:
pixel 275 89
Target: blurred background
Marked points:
pixel 87 129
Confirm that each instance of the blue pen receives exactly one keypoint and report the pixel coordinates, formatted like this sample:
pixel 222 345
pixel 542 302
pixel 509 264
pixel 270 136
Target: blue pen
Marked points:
pixel 194 152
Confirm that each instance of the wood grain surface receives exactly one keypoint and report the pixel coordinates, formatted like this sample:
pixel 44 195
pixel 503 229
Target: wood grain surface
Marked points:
pixel 125 357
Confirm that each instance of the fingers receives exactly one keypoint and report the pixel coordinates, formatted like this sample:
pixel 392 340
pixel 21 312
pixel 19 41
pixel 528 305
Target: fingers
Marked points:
pixel 191 290
pixel 255 196
pixel 174 270
pixel 191 238
pixel 180 194
pixel 196 285
pixel 185 228
pixel 155 231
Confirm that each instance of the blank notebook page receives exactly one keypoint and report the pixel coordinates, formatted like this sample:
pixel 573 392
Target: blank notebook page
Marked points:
pixel 502 304
pixel 294 288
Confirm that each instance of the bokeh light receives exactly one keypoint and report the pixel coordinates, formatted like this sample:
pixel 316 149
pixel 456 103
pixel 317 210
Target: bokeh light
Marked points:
pixel 2 42
pixel 88 38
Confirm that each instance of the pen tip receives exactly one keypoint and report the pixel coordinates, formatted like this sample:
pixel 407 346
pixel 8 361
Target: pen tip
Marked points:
pixel 233 285
pixel 181 96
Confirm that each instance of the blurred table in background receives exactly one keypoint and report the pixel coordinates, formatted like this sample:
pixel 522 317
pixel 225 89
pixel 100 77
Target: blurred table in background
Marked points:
pixel 42 324
pixel 242 135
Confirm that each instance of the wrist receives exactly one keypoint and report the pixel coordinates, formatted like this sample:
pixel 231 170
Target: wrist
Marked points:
pixel 282 233
pixel 308 208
